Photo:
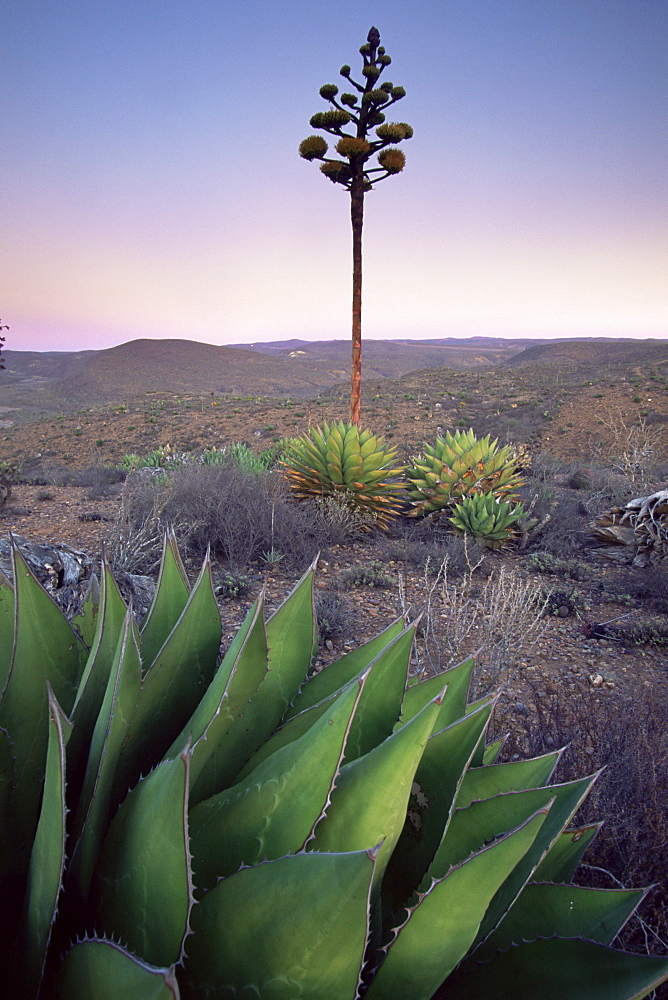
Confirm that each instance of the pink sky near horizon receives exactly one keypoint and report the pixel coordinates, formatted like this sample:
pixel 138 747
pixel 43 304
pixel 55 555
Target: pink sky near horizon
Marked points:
pixel 151 185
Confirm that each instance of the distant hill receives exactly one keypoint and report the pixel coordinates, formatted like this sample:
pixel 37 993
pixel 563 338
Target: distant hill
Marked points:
pixel 46 381
pixel 593 352
pixel 294 367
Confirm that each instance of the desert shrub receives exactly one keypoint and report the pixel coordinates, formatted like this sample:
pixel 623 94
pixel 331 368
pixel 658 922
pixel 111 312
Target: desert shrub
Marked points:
pixel 332 615
pixel 572 569
pixel 546 468
pixel 651 585
pixel 230 584
pixel 498 620
pixel 46 472
pixel 340 522
pixel 565 603
pixel 241 515
pixel 580 479
pixel 372 574
pixel 628 632
pixel 632 447
pixel 565 531
pixel 427 542
pixel 101 480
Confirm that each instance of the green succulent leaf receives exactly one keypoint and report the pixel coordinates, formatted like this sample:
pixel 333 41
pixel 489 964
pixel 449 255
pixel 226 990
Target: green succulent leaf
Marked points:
pixel 567 911
pixel 560 969
pixel 273 811
pixel 562 859
pixel 6 628
pixel 221 724
pixel 367 806
pixel 485 782
pixel 102 970
pixel 110 622
pixel 84 622
pixel 336 675
pixel 96 803
pixel 437 779
pixel 47 860
pixel 46 650
pixel 169 601
pixel 439 930
pixel 145 884
pixel 176 680
pixel 457 681
pixel 307 940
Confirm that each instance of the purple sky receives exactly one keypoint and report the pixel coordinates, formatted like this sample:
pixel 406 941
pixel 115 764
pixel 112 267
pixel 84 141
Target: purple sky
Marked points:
pixel 151 186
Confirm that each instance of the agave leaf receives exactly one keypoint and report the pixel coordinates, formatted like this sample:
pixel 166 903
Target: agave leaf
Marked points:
pixel 95 802
pixel 95 678
pixel 335 676
pixel 567 799
pixel 102 970
pixel 543 910
pixel 275 664
pixel 85 622
pixel 368 804
pixel 481 822
pixel 176 680
pixel 559 969
pixel 169 600
pixel 457 679
pixel 308 940
pixel 492 750
pixel 272 812
pixel 48 854
pixel 7 783
pixel 292 641
pixel 6 628
pixel 249 639
pixel 265 678
pixel 439 930
pixel 438 776
pixel 11 887
pixel 380 704
pixel 145 883
pixel 45 649
pixel 515 776
pixel 222 718
pixel 564 856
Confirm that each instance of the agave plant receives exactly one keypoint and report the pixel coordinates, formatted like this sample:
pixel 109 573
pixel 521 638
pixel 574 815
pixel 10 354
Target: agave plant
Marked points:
pixel 343 460
pixel 179 825
pixel 489 520
pixel 460 465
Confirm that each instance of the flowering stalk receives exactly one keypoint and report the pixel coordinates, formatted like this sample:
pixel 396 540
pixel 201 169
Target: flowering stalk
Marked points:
pixel 359 113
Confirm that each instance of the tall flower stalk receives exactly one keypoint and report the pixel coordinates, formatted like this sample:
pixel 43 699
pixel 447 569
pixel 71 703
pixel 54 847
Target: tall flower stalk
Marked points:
pixel 357 121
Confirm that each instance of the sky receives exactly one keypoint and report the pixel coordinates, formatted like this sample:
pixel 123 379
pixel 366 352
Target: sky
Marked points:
pixel 150 184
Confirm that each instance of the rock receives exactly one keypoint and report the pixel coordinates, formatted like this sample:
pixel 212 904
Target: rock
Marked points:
pixel 596 680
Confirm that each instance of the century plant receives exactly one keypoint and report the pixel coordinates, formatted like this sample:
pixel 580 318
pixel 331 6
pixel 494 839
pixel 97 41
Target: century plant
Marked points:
pixel 350 121
pixel 460 465
pixel 179 825
pixel 342 460
pixel 492 521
